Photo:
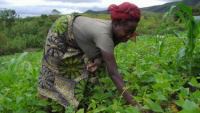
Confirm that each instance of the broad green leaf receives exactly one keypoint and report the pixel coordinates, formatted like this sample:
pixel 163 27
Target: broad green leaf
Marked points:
pixel 18 99
pixel 92 105
pixel 196 94
pixel 8 99
pixel 23 110
pixel 43 103
pixel 185 91
pixel 132 109
pixel 161 97
pixel 196 110
pixel 194 83
pixel 145 107
pixel 155 107
pixel 180 101
pixel 80 111
pixel 189 105
pixel 99 109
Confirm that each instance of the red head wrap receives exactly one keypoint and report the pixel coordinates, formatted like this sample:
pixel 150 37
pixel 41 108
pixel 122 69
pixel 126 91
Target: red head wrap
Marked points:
pixel 124 11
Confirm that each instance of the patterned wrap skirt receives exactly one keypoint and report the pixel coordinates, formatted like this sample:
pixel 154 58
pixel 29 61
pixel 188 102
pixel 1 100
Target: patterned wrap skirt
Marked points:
pixel 63 76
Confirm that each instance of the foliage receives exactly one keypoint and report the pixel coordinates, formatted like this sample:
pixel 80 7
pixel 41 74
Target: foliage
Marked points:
pixel 193 26
pixel 7 20
pixel 29 32
pixel 150 76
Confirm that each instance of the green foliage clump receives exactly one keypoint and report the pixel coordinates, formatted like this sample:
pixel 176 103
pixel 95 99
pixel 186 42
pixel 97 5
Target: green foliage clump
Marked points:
pixel 29 32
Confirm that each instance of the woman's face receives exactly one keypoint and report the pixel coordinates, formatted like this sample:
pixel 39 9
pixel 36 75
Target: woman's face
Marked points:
pixel 124 31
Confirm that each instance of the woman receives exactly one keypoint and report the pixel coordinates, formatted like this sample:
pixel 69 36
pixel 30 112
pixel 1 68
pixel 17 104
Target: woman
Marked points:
pixel 75 48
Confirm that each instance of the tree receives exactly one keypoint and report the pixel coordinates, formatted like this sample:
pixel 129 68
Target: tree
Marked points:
pixel 55 12
pixel 7 19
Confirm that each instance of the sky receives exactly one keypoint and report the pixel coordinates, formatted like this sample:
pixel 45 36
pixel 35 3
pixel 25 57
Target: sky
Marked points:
pixel 37 7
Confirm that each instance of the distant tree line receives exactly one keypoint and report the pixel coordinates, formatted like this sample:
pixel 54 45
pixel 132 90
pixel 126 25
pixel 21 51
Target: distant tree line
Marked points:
pixel 17 33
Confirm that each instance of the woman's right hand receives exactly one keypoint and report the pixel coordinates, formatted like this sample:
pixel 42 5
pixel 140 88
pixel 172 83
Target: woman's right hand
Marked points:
pixel 94 67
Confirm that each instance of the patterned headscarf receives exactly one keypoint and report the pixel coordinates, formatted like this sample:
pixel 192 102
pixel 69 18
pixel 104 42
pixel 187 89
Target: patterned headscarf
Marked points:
pixel 124 11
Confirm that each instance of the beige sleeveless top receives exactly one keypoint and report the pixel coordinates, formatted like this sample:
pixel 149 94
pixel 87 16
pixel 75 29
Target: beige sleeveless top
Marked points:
pixel 93 35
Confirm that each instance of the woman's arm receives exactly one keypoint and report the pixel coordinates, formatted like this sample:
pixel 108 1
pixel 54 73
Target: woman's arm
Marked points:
pixel 116 78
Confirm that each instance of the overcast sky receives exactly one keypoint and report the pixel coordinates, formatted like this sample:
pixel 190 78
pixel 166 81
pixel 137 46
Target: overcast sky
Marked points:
pixel 38 7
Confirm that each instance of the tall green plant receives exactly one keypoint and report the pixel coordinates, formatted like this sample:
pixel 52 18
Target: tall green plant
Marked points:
pixel 10 77
pixel 193 27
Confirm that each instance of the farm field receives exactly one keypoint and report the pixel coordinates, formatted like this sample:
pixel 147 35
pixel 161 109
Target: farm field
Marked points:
pixel 147 67
pixel 161 70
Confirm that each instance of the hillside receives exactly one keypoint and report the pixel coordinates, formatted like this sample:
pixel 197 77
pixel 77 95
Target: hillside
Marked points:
pixel 158 8
pixel 167 6
pixel 97 12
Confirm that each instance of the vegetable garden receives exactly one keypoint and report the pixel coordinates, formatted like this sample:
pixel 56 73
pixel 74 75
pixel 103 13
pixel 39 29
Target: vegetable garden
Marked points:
pixel 161 71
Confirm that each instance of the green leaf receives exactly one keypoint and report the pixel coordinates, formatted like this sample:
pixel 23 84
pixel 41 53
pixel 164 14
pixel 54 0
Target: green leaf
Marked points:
pixel 1 96
pixel 196 110
pixel 80 111
pixel 92 105
pixel 194 83
pixel 115 105
pixel 70 109
pixel 186 9
pixel 160 48
pixel 180 14
pixel 180 101
pixel 168 13
pixel 196 94
pixel 197 25
pixel 99 109
pixel 145 107
pixel 185 91
pixel 8 99
pixel 132 109
pixel 161 29
pixel 40 112
pixel 155 107
pixel 18 99
pixel 43 103
pixel 1 107
pixel 22 111
pixel 180 56
pixel 161 97
pixel 189 105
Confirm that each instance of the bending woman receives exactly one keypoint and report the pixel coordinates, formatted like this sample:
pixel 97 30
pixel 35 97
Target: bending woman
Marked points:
pixel 75 48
